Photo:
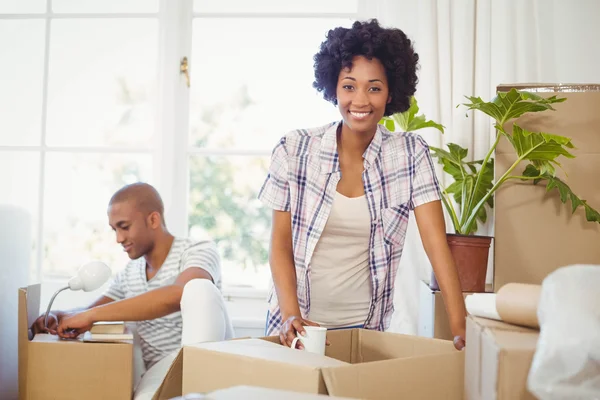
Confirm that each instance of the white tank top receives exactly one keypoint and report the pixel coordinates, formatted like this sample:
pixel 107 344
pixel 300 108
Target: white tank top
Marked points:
pixel 340 281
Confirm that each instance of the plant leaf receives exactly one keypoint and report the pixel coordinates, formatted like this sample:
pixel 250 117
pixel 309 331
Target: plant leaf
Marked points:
pixel 451 160
pixel 566 193
pixel 531 171
pixel 464 175
pixel 409 121
pixel 419 122
pixel 390 125
pixel 512 104
pixel 540 147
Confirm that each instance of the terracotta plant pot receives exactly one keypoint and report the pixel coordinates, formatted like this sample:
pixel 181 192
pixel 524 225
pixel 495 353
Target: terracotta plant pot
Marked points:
pixel 471 255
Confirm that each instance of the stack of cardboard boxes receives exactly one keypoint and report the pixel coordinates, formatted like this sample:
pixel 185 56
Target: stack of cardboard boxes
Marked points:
pixel 535 234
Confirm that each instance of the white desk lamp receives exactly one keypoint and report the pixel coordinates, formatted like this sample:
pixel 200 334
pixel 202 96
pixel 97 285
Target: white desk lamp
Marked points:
pixel 89 277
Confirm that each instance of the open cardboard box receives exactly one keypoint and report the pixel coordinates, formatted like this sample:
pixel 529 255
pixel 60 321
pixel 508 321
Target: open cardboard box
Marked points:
pixel 358 364
pixel 498 359
pixel 50 367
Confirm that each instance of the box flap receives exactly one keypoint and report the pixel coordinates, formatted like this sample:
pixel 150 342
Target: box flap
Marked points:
pixel 173 382
pixel 514 340
pixel 504 370
pixel 34 293
pixel 29 305
pixel 265 350
pixel 377 346
pixel 207 370
pixel 429 377
pixel 485 323
pixel 343 344
pixel 498 358
pixel 23 342
pixel 473 360
pixel 513 370
pixel 258 393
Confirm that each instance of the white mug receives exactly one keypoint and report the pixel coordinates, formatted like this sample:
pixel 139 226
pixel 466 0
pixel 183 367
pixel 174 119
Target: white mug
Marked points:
pixel 314 341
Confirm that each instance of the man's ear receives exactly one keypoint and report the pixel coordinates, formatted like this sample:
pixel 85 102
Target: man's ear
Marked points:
pixel 154 220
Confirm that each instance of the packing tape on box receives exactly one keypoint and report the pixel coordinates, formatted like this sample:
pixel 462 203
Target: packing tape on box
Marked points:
pixel 515 303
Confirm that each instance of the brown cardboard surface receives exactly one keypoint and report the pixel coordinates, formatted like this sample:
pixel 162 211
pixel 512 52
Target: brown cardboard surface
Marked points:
pixel 517 303
pixel 266 366
pixel 69 369
pixel 378 358
pixel 266 350
pixel 404 378
pixel 172 384
pixel 258 393
pixel 497 360
pixel 535 232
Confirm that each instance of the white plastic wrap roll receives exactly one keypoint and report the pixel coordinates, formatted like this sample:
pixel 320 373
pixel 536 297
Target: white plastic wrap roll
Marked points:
pixel 15 252
pixel 482 305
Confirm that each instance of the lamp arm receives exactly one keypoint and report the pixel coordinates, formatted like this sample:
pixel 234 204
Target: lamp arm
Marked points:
pixel 50 306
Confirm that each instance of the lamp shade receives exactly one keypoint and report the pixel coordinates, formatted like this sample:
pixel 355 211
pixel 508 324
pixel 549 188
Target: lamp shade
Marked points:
pixel 90 276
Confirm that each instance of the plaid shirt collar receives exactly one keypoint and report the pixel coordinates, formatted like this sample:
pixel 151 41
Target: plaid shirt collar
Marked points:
pixel 330 159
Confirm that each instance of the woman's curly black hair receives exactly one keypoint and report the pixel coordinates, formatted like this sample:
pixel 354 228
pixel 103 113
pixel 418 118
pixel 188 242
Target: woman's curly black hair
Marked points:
pixel 389 45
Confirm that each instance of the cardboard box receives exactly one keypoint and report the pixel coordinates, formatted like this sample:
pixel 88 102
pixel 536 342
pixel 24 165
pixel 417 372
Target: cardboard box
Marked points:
pixel 535 232
pixel 497 360
pixel 433 318
pixel 258 393
pixel 51 368
pixel 358 364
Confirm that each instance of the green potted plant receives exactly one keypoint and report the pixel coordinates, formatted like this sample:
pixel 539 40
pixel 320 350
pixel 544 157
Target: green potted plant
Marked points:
pixel 469 198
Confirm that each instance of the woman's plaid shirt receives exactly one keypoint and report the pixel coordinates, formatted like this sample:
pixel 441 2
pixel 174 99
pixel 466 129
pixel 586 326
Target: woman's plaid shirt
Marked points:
pixel 304 172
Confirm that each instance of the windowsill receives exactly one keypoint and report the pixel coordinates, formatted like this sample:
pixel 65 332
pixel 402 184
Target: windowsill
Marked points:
pixel 229 292
pixel 243 292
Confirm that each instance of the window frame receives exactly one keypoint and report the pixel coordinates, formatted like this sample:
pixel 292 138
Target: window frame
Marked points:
pixel 171 149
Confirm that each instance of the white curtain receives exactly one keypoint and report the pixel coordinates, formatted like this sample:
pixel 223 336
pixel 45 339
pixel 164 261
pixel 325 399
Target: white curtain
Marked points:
pixel 468 47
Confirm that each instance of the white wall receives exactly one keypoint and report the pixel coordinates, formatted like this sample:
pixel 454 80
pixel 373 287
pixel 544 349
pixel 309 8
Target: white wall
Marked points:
pixel 565 47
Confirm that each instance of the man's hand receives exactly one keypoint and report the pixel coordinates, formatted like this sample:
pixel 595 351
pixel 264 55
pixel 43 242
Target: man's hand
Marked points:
pixel 74 325
pixel 54 318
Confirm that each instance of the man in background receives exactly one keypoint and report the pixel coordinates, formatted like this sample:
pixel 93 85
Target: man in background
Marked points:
pixel 170 288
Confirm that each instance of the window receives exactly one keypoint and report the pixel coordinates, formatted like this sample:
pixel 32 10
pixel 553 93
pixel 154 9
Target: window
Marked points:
pixel 95 101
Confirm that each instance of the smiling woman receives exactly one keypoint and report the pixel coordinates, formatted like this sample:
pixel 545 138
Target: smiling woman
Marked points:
pixel 341 194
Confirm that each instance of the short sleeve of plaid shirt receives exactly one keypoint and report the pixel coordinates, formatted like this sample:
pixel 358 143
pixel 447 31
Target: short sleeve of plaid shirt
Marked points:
pixel 425 185
pixel 275 192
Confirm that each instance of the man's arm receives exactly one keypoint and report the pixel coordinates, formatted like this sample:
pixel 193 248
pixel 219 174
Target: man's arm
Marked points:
pixel 55 316
pixel 147 306
pixel 432 228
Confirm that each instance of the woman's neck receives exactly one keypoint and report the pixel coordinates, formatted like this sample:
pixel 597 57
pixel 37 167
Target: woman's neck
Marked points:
pixel 353 144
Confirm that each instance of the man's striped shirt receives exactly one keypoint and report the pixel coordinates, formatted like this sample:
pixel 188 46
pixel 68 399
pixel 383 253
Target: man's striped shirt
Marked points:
pixel 162 336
